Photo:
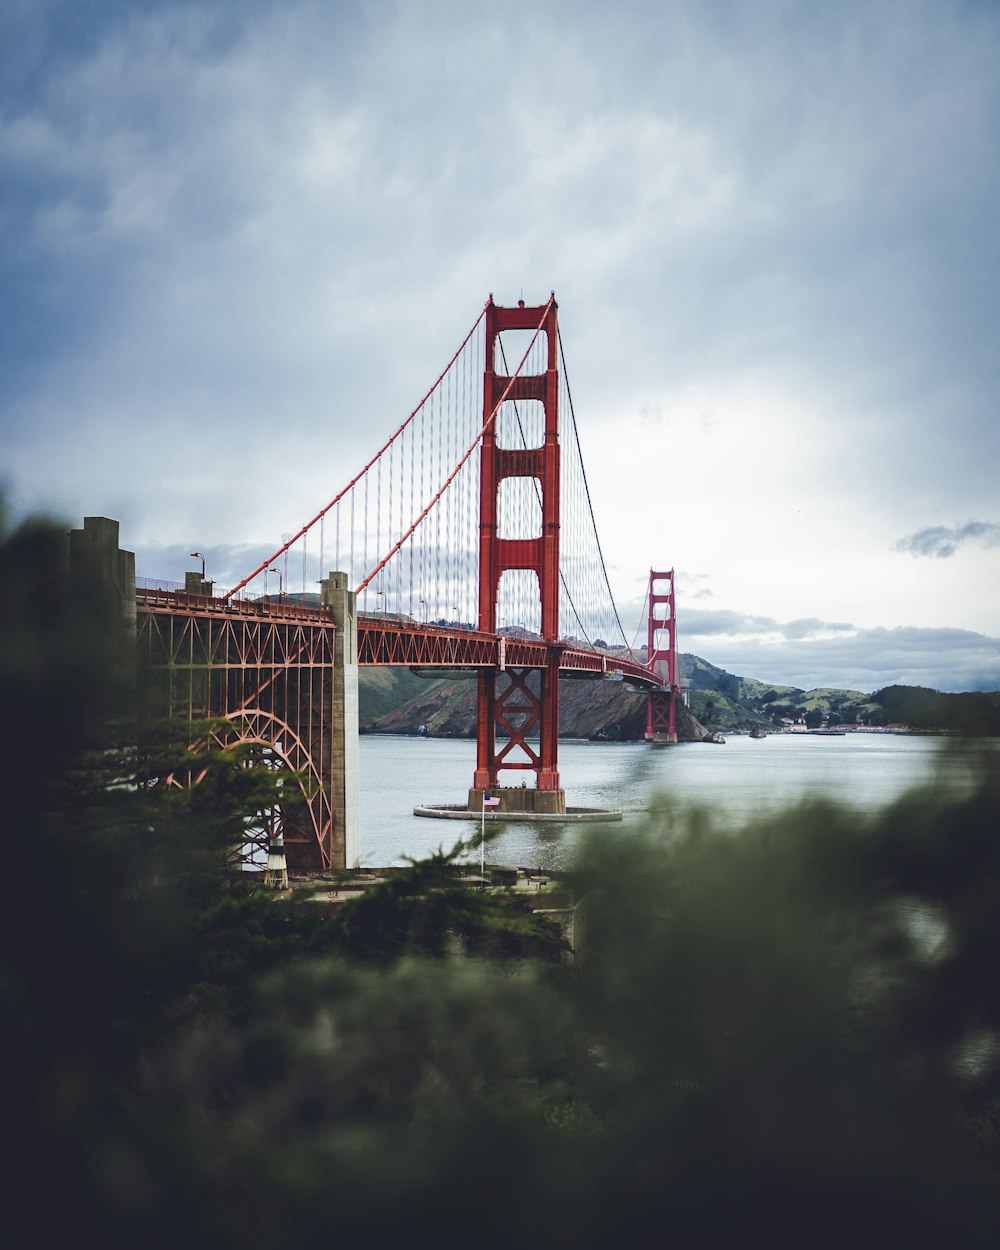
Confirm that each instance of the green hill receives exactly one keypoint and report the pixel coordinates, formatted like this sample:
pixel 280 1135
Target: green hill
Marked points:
pixel 396 700
pixel 724 700
pixel 382 690
pixel 920 708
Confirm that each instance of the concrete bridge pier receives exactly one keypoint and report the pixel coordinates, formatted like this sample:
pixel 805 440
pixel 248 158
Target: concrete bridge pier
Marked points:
pixel 342 603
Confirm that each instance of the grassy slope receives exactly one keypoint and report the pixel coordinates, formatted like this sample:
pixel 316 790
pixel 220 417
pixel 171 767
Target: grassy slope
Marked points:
pixel 400 701
pixel 382 690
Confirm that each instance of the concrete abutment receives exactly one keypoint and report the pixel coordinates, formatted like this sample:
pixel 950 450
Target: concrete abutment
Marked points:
pixel 343 606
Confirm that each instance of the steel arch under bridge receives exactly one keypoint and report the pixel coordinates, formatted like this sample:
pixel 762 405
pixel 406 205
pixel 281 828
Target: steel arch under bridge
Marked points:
pixel 268 669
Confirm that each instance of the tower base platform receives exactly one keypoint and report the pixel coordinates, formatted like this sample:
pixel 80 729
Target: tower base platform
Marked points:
pixel 453 811
pixel 515 799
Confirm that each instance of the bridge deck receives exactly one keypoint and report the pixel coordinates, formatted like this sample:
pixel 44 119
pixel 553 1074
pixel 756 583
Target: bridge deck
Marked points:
pixel 410 644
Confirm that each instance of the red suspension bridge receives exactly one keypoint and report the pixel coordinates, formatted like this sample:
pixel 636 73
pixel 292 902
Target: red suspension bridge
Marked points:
pixel 467 542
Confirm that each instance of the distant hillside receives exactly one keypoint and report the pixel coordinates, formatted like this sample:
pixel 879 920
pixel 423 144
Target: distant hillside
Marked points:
pixel 442 707
pixel 396 701
pixel 382 690
pixel 723 700
pixel 446 707
pixel 727 701
pixel 920 708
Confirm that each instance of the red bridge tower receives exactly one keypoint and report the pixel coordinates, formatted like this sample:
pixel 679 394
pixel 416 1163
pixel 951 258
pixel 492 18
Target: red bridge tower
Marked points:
pixel 661 656
pixel 510 702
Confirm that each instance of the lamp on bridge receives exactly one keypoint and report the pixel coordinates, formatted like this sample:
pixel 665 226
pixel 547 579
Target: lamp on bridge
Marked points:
pixel 380 594
pixel 281 586
pixel 194 584
pixel 423 614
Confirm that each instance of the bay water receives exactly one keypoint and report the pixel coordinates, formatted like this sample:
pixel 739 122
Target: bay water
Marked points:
pixel 739 780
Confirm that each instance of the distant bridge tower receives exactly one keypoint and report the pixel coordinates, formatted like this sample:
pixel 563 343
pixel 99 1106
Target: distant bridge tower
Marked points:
pixel 517 707
pixel 661 656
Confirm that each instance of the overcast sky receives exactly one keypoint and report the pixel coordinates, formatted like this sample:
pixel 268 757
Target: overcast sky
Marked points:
pixel 239 240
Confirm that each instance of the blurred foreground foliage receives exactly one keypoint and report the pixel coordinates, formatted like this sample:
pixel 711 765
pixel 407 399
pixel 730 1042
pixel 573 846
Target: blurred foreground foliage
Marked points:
pixel 786 1032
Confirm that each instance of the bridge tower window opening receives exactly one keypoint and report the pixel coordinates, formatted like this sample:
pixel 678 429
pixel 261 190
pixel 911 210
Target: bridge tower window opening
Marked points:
pixel 518 601
pixel 661 639
pixel 519 509
pixel 510 346
pixel 520 426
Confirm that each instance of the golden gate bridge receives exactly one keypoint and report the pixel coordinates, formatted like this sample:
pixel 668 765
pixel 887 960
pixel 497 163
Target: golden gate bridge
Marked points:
pixel 467 542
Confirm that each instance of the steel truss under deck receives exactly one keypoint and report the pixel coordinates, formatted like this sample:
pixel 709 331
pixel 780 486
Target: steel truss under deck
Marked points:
pixel 266 669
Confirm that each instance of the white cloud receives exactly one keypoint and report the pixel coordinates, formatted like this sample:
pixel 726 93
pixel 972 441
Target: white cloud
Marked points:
pixel 942 541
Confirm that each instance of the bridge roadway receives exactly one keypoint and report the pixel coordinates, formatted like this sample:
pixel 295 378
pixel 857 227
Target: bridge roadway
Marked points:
pixel 406 643
pixel 415 645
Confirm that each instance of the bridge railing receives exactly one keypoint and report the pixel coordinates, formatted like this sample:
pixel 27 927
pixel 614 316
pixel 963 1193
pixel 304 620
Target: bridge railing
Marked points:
pixel 158 595
pixel 143 584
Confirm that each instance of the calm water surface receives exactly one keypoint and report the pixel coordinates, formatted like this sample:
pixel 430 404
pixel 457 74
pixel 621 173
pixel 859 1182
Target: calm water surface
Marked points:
pixel 740 780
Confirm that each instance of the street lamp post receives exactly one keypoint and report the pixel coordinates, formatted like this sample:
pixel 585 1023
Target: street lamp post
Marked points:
pixel 281 585
pixel 380 594
pixel 423 613
pixel 196 555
